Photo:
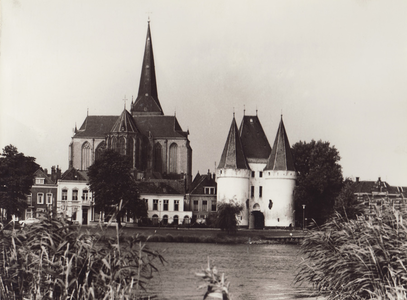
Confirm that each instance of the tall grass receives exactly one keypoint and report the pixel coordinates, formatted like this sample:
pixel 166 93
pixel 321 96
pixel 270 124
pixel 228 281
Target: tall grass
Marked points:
pixel 364 258
pixel 53 260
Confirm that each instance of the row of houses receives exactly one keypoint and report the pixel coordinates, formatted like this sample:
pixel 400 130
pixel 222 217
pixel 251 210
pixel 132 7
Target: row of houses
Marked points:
pixel 167 201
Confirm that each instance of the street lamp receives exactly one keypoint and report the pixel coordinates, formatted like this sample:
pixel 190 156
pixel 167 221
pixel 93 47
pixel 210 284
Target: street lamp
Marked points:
pixel 303 216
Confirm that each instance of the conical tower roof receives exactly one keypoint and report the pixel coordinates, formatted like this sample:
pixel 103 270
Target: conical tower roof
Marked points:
pixel 281 158
pixel 254 140
pixel 233 156
pixel 147 102
pixel 125 123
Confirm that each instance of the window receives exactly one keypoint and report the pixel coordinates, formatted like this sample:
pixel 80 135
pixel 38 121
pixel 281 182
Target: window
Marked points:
pixel 186 220
pixel 155 204
pixel 209 190
pixel 165 207
pixel 205 205
pixel 195 205
pixel 175 222
pixel 213 206
pixel 85 159
pixel 253 173
pixel 165 220
pixel 174 158
pixel 260 174
pixel 146 202
pixel 40 198
pixel 49 198
pixel 176 205
pixel 85 196
pixel 39 180
pixel 28 214
pixel 158 164
pixel 64 194
pixel 260 191
pixel 29 200
pixel 155 219
pixel 75 195
pixel 252 191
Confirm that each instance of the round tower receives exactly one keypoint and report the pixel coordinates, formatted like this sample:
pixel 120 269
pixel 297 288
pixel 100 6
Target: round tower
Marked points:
pixel 280 176
pixel 233 174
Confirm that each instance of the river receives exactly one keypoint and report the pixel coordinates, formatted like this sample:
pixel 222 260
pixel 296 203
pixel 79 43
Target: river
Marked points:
pixel 254 271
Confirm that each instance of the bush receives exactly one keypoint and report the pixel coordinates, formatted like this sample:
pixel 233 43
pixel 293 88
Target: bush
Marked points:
pixel 365 258
pixel 53 260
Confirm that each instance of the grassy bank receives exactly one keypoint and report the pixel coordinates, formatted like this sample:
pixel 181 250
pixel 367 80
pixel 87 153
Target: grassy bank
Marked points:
pixel 194 235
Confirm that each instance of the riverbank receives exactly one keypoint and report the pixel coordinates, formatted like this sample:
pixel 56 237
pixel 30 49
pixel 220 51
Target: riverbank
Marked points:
pixel 203 235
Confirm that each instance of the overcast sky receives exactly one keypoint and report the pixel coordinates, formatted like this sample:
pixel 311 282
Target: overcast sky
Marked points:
pixel 337 70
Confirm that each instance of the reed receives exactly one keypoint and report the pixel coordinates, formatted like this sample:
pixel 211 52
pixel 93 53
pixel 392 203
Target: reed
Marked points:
pixel 53 260
pixel 364 258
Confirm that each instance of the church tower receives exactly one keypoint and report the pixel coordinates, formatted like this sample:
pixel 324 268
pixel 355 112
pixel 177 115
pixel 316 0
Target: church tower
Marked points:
pixel 147 102
pixel 280 176
pixel 233 174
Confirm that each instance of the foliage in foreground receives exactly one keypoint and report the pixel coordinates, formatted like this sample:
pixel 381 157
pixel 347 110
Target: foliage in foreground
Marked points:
pixel 52 260
pixel 226 218
pixel 216 285
pixel 357 259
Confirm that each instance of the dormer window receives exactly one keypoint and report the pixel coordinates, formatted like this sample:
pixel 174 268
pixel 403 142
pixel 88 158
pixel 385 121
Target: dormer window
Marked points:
pixel 39 180
pixel 209 190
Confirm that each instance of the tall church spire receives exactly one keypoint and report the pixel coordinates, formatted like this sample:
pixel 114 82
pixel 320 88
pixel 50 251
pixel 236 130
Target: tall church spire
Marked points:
pixel 233 156
pixel 147 102
pixel 281 158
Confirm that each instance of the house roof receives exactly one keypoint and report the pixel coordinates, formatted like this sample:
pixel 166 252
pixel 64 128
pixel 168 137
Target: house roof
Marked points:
pixel 40 173
pixel 125 123
pixel 159 126
pixel 281 158
pixel 147 100
pixel 254 140
pixel 75 175
pixel 96 126
pixel 159 188
pixel 200 182
pixel 378 186
pixel 233 156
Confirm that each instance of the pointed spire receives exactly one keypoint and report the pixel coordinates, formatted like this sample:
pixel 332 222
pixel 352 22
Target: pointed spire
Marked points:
pixel 233 156
pixel 281 158
pixel 147 100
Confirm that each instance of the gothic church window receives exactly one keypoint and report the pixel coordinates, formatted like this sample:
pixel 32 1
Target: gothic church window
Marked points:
pixel 99 150
pixel 174 158
pixel 157 158
pixel 86 162
pixel 122 146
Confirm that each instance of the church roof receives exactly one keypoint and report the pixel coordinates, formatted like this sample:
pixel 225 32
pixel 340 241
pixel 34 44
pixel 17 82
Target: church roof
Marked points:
pixel 281 158
pixel 158 188
pixel 125 123
pixel 233 156
pixel 96 126
pixel 147 100
pixel 254 140
pixel 159 126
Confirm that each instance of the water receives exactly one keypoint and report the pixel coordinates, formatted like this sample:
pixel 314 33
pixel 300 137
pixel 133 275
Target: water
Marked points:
pixel 254 271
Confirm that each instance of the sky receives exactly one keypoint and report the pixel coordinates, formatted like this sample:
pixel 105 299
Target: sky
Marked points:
pixel 336 70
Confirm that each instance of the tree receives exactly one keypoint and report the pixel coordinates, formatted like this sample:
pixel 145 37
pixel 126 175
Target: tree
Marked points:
pixel 319 179
pixel 16 179
pixel 226 218
pixel 115 189
pixel 346 203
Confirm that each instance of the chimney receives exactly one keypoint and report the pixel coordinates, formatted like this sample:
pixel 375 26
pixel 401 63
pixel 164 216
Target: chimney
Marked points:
pixel 214 176
pixel 357 179
pixel 46 171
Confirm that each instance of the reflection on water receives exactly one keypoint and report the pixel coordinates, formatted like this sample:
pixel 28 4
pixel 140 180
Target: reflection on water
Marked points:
pixel 254 271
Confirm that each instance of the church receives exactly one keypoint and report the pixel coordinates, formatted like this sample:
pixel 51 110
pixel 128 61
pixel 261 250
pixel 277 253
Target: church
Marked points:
pixel 155 143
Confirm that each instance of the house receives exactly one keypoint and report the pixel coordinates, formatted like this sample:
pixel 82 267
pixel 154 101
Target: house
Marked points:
pixel 43 194
pixel 380 195
pixel 75 200
pixel 201 198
